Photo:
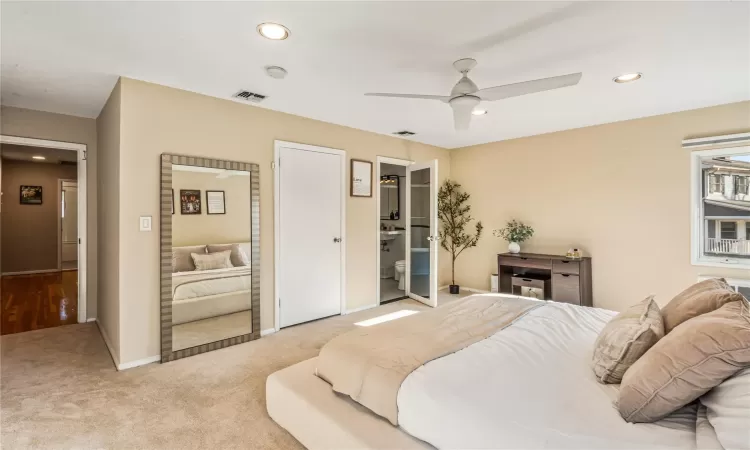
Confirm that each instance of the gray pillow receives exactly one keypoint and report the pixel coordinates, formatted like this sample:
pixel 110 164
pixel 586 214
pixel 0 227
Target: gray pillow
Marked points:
pixel 625 339
pixel 181 259
pixel 212 261
pixel 237 256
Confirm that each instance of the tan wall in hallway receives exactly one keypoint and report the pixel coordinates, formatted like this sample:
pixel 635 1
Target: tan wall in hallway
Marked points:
pixel 30 232
pixel 60 127
pixel 108 134
pixel 157 119
pixel 620 192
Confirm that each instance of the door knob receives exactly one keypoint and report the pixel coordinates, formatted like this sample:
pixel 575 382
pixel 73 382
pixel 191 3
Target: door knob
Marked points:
pixel 336 240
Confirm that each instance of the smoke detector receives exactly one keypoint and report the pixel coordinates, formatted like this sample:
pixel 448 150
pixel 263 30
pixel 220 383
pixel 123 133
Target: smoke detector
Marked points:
pixel 276 72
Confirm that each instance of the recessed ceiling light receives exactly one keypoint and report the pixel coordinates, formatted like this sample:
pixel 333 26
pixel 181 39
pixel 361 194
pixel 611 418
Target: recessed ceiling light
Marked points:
pixel 479 112
pixel 38 157
pixel 628 77
pixel 273 31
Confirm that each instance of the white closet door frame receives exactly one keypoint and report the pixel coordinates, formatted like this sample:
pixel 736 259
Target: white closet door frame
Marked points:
pixel 80 149
pixel 277 223
pixel 376 185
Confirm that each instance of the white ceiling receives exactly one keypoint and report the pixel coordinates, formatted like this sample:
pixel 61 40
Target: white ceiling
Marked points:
pixel 65 57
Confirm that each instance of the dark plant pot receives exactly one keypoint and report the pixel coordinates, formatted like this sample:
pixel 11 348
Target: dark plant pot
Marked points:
pixel 454 288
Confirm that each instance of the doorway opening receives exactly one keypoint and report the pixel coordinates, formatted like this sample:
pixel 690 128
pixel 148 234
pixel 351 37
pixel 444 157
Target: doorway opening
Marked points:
pixel 392 189
pixel 42 234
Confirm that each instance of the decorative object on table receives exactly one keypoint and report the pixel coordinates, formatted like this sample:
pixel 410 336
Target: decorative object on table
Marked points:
pixel 574 253
pixel 215 202
pixel 454 215
pixel 514 232
pixel 190 201
pixel 361 178
pixel 31 195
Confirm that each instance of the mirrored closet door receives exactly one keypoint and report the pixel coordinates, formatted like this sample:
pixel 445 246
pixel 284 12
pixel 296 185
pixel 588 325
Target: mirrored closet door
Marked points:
pixel 210 262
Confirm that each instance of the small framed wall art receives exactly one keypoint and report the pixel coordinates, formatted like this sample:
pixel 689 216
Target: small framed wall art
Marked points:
pixel 190 201
pixel 361 178
pixel 31 195
pixel 215 202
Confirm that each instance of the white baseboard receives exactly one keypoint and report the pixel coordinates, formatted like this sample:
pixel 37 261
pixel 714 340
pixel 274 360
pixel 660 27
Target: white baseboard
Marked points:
pixel 139 362
pixel 476 291
pixel 267 332
pixel 108 343
pixel 91 319
pixel 30 272
pixel 351 311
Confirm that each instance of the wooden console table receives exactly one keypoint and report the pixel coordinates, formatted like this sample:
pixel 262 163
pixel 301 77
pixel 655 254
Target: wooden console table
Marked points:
pixel 569 280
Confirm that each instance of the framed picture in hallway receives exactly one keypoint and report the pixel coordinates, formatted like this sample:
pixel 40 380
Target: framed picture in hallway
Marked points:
pixel 190 201
pixel 31 195
pixel 361 178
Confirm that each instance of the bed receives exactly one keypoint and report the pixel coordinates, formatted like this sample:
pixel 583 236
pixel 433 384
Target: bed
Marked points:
pixel 209 293
pixel 528 384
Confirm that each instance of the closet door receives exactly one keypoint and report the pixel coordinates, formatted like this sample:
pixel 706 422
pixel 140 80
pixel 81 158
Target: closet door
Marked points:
pixel 422 229
pixel 309 234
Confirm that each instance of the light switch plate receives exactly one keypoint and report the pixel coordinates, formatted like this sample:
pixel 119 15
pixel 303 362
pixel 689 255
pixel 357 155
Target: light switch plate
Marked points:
pixel 145 223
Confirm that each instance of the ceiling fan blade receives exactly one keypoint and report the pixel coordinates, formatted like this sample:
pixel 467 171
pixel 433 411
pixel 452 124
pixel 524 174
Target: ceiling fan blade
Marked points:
pixel 462 108
pixel 528 87
pixel 442 98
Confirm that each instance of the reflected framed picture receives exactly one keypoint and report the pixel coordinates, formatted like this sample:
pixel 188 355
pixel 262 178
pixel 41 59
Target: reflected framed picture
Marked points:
pixel 215 202
pixel 361 178
pixel 190 201
pixel 31 195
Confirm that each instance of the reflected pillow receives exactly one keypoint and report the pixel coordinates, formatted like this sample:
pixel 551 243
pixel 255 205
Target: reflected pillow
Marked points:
pixel 212 261
pixel 625 339
pixel 237 257
pixel 688 362
pixel 182 261
pixel 700 298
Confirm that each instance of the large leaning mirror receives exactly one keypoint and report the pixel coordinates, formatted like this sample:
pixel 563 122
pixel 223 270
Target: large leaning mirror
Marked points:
pixel 210 261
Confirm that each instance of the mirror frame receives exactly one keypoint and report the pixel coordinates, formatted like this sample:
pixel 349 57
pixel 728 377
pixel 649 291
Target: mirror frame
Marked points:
pixel 165 297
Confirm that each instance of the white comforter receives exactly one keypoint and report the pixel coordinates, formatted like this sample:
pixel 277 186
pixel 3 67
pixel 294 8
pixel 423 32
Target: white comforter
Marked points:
pixel 203 283
pixel 530 386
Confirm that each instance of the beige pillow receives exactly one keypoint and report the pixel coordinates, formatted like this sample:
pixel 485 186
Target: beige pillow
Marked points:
pixel 182 261
pixel 237 256
pixel 700 298
pixel 212 261
pixel 625 339
pixel 686 363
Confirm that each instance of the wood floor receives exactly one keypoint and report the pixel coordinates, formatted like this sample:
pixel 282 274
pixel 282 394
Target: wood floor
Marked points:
pixel 36 301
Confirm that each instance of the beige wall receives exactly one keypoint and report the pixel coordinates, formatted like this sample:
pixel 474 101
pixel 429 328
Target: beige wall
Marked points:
pixel 108 133
pixel 59 127
pixel 157 119
pixel 620 192
pixel 204 228
pixel 30 232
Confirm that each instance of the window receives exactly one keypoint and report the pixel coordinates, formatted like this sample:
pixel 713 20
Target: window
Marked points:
pixel 729 230
pixel 721 207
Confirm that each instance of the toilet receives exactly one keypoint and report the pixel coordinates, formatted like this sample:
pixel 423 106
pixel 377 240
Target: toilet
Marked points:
pixel 400 267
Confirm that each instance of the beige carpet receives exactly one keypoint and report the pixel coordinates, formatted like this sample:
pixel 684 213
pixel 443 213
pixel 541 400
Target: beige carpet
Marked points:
pixel 213 329
pixel 59 389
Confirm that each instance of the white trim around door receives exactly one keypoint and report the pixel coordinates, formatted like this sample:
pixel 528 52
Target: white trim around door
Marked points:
pixel 396 162
pixel 80 150
pixel 277 212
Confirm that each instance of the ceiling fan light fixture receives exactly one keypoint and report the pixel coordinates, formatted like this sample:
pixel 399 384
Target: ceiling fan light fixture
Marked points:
pixel 41 158
pixel 273 31
pixel 479 112
pixel 628 77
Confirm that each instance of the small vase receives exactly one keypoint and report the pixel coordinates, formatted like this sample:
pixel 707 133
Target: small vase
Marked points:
pixel 513 247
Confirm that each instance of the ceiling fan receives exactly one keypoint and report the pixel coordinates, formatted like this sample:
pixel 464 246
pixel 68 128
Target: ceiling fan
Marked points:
pixel 465 95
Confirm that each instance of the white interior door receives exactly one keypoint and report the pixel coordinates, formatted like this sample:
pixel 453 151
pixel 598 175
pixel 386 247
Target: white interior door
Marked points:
pixel 68 223
pixel 422 229
pixel 310 233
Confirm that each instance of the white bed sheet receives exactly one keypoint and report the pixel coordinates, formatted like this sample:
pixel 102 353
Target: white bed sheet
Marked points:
pixel 190 285
pixel 530 386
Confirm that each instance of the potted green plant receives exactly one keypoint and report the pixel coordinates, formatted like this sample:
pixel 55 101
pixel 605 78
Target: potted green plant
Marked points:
pixel 514 232
pixel 454 215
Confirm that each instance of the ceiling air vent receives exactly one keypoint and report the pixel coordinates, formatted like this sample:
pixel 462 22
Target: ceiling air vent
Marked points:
pixel 404 133
pixel 249 96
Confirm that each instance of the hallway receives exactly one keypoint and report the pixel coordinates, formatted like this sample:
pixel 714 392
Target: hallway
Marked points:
pixel 37 301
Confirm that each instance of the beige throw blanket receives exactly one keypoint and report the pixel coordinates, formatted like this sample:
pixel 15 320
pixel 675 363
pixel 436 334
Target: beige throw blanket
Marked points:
pixel 370 363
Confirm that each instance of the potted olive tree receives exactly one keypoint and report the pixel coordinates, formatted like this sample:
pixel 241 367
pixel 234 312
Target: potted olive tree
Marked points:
pixel 454 215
